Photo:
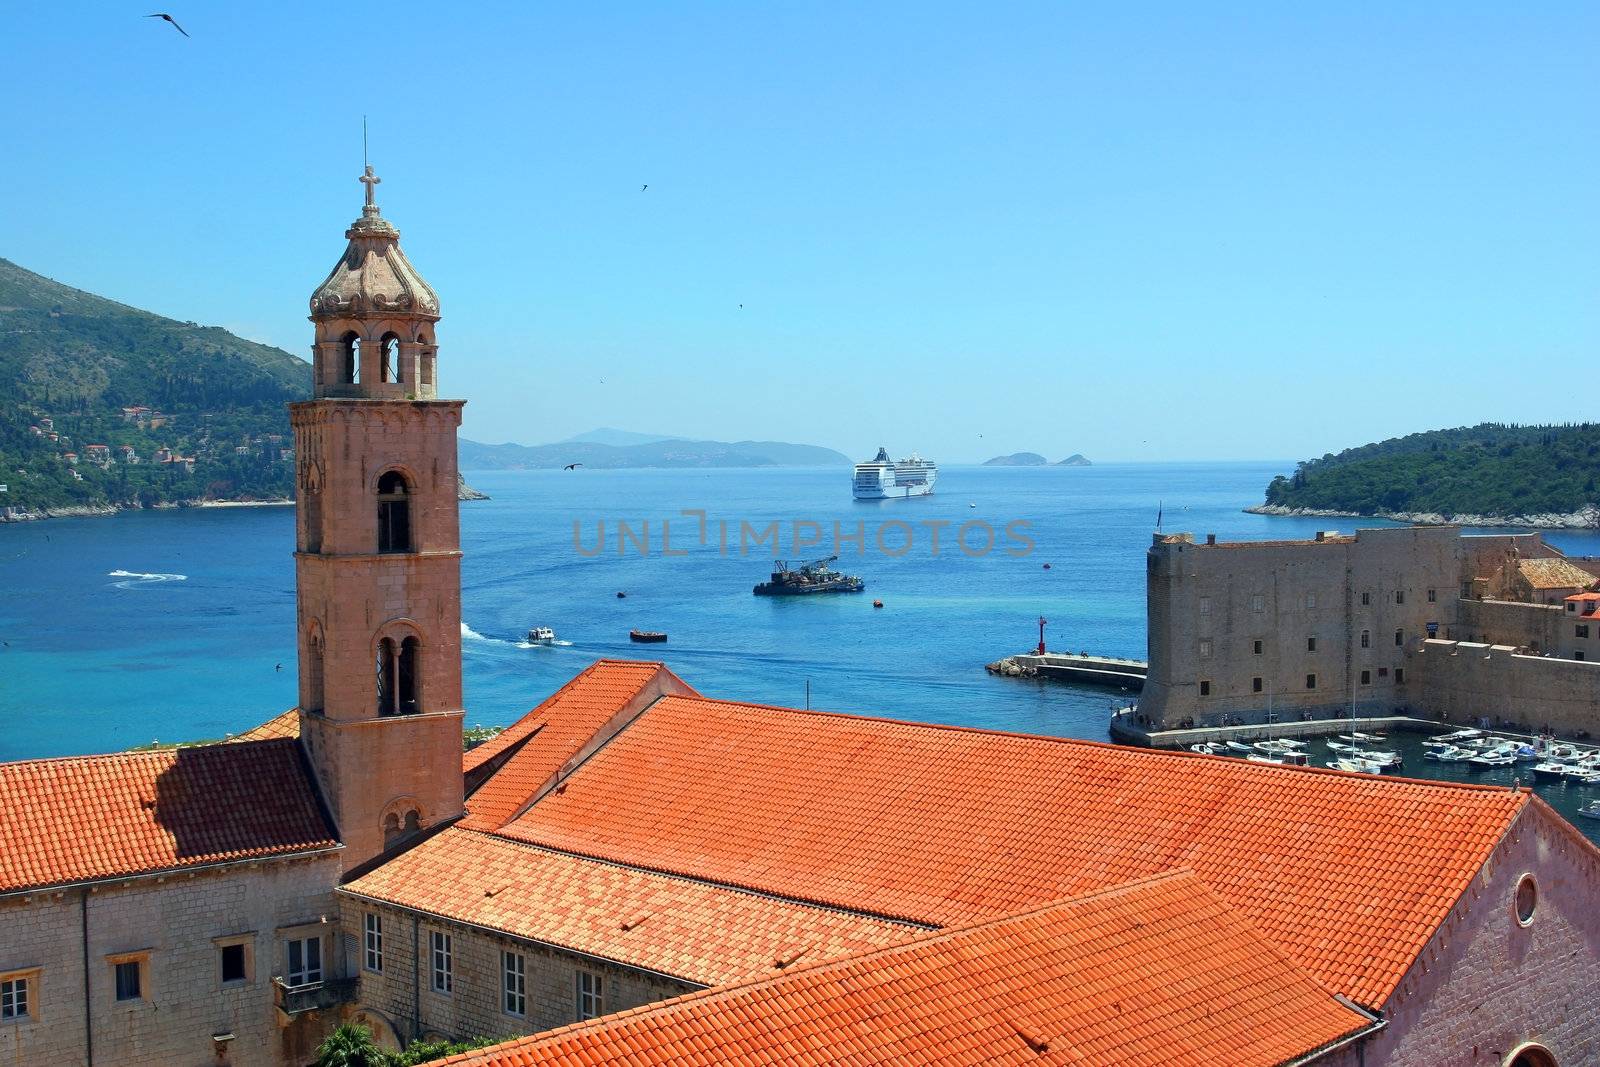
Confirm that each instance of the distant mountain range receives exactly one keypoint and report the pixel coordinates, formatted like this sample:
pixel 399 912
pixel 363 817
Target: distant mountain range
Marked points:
pixel 1033 459
pixel 617 449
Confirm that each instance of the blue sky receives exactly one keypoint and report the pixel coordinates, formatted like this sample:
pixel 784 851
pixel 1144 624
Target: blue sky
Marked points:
pixel 1136 231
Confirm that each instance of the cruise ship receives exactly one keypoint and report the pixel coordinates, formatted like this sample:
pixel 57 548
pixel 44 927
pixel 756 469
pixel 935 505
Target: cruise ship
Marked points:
pixel 882 477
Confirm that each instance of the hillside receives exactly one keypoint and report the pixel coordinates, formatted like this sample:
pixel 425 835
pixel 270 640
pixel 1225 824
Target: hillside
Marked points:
pixel 1077 459
pixel 1524 475
pixel 671 452
pixel 1017 459
pixel 104 405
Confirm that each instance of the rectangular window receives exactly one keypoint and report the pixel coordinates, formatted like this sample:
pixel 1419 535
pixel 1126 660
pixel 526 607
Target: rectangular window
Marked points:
pixel 1578 655
pixel 1581 631
pixel 1366 638
pixel 1205 687
pixel 1366 677
pixel 1311 681
pixel 591 997
pixel 1399 675
pixel 374 942
pixel 1256 647
pixel 304 958
pixel 1399 596
pixel 1255 685
pixel 1205 649
pixel 1431 597
pixel 1311 644
pixel 1311 601
pixel 233 969
pixel 1399 637
pixel 1205 605
pixel 1571 606
pixel 443 954
pixel 1383 672
pixel 1257 602
pixel 514 966
pixel 14 1002
pixel 1366 598
pixel 129 986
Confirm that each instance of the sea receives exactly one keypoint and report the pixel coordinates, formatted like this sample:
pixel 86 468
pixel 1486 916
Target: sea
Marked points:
pixel 179 625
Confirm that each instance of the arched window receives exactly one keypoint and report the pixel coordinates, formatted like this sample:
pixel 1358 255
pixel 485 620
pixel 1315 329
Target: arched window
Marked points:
pixel 394 513
pixel 314 668
pixel 389 354
pixel 409 675
pixel 350 358
pixel 391 829
pixel 413 823
pixel 385 671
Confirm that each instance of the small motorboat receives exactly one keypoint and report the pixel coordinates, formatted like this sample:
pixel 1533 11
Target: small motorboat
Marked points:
pixel 1590 810
pixel 1526 754
pixel 1208 748
pixel 1358 736
pixel 877 603
pixel 1492 759
pixel 1549 772
pixel 621 595
pixel 1445 754
pixel 1263 759
pixel 1235 746
pixel 1275 748
pixel 1461 735
pixel 541 635
pixel 1351 765
pixel 647 636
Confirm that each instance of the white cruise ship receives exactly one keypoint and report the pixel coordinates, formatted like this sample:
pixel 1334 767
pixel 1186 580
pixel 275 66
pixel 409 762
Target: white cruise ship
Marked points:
pixel 881 477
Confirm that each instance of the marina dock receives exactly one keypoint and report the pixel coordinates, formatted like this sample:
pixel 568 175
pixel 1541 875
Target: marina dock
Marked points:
pixel 1126 730
pixel 1111 671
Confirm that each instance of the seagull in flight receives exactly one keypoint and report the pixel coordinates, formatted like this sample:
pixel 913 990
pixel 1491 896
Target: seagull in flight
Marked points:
pixel 572 466
pixel 168 18
pixel 642 188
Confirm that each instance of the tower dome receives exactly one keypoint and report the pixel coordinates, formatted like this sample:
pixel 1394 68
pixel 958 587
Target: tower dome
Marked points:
pixel 374 315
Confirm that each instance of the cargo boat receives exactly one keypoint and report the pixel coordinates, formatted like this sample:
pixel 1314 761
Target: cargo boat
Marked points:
pixel 814 577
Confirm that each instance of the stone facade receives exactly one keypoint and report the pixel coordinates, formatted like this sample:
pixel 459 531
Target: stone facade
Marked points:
pixel 402 996
pixel 1463 682
pixel 174 928
pixel 1539 978
pixel 1244 631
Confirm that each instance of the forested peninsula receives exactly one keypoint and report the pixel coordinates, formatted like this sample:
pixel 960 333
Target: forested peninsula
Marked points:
pixel 1492 474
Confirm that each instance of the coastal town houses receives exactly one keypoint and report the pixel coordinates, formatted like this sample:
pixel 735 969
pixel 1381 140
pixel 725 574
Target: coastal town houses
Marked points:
pixel 636 873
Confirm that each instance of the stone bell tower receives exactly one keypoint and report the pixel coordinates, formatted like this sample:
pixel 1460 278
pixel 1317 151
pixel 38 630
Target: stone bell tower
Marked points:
pixel 378 554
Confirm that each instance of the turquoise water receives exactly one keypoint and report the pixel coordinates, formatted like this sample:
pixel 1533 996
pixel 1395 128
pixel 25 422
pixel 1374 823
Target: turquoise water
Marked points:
pixel 172 625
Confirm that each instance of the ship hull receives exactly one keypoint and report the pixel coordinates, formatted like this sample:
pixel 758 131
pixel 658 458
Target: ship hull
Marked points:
pixel 892 492
pixel 808 589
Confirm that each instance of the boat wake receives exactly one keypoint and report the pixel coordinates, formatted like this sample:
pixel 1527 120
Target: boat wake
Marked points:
pixel 469 634
pixel 544 644
pixel 139 579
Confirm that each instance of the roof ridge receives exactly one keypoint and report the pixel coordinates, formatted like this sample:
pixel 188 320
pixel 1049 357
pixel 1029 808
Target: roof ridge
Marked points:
pixel 932 937
pixel 713 883
pixel 1388 780
pixel 143 753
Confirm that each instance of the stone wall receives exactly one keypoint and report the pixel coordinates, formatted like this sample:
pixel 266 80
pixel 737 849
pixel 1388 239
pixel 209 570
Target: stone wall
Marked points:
pixel 1461 682
pixel 1508 622
pixel 1486 984
pixel 402 996
pixel 176 921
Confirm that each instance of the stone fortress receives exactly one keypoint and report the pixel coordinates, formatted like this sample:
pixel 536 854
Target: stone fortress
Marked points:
pixel 633 872
pixel 1420 620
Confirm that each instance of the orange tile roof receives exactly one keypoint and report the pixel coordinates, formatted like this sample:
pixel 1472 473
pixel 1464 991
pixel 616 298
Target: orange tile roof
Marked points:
pixel 542 742
pixel 700 933
pixel 84 818
pixel 1349 873
pixel 285 725
pixel 1554 573
pixel 1156 972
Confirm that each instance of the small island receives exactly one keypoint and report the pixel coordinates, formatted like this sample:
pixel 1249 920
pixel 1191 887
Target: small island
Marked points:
pixel 1492 474
pixel 1033 459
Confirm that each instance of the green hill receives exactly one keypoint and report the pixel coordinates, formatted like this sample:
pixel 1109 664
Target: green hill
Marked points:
pixel 71 362
pixel 667 452
pixel 1486 470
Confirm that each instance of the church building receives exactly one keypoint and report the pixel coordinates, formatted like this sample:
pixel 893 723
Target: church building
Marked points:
pixel 636 873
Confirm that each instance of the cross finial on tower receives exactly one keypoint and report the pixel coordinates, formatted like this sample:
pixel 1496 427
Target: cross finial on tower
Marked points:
pixel 370 180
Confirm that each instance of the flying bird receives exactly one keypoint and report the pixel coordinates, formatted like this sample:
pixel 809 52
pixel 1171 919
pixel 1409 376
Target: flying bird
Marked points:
pixel 168 18
pixel 572 466
pixel 642 188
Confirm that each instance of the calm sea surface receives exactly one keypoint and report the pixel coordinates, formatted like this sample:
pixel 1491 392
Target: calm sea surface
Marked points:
pixel 174 624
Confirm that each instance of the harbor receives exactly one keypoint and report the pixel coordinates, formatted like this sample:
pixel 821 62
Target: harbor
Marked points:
pixel 1113 671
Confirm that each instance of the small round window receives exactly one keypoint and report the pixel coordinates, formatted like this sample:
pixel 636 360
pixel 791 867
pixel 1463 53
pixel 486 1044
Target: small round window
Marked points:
pixel 1527 899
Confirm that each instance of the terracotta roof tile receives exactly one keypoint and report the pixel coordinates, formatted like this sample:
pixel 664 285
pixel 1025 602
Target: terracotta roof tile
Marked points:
pixel 1554 573
pixel 704 934
pixel 285 725
pixel 542 742
pixel 1349 873
pixel 1157 972
pixel 83 818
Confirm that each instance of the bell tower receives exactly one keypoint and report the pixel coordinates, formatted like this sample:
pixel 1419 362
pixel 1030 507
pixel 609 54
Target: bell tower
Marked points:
pixel 378 553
